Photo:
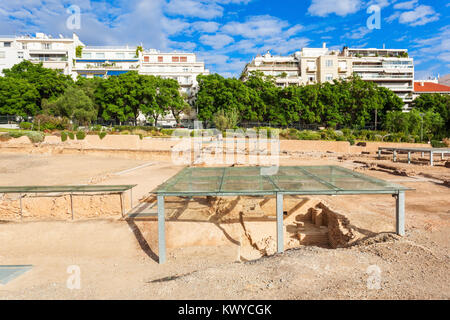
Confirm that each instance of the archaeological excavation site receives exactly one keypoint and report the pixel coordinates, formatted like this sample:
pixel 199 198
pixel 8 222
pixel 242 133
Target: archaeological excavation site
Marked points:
pixel 312 227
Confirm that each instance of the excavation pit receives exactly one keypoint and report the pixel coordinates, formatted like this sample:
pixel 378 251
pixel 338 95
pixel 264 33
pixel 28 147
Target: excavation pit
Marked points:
pixel 272 181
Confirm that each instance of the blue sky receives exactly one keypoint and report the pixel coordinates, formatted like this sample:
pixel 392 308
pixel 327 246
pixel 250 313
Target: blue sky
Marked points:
pixel 228 33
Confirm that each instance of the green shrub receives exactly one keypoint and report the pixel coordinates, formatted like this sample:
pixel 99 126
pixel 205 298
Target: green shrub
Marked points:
pixel 71 135
pixel 351 141
pixel 35 137
pixel 438 144
pixel 81 135
pixel 328 134
pixel 16 134
pixel 167 132
pixel 97 127
pixel 26 125
pixel 102 134
pixel 347 132
pixel 289 134
pixel 63 136
pixel 45 122
pixel 309 135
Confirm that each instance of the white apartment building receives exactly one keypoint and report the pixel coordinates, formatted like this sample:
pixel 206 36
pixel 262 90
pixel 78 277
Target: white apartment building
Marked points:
pixel 286 70
pixel 179 66
pixel 54 53
pixel 390 68
pixel 106 61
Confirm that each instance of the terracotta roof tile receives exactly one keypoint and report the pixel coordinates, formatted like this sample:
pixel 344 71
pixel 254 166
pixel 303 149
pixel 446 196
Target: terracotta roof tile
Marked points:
pixel 430 87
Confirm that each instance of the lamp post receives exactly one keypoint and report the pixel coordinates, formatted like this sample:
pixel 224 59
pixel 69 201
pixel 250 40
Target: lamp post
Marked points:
pixel 421 126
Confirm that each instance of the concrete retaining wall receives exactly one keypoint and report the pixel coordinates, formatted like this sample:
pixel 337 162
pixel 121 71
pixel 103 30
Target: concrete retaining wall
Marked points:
pixel 133 142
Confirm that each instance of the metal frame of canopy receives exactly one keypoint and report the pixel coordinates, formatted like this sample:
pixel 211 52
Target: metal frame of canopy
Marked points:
pixel 72 191
pixel 294 180
pixel 431 151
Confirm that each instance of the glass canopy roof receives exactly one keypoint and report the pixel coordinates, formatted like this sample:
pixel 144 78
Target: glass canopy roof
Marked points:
pixel 80 188
pixel 287 180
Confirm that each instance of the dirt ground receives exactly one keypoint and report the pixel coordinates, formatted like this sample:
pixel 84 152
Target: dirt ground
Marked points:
pixel 118 258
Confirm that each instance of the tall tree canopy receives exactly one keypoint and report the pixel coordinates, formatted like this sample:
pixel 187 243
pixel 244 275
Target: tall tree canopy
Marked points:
pixel 18 97
pixel 48 82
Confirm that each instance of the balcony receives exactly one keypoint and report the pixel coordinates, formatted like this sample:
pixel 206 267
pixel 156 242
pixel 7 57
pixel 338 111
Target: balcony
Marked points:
pixel 343 69
pixel 311 68
pixel 398 88
pixel 45 60
pixel 385 76
pixel 105 67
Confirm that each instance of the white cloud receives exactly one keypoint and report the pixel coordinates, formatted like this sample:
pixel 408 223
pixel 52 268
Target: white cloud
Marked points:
pixel 284 46
pixel 380 3
pixel 256 26
pixel 175 26
pixel 323 8
pixel 293 30
pixel 420 16
pixel 192 8
pixel 127 25
pixel 216 41
pixel 406 5
pixel 437 46
pixel 206 9
pixel 205 26
pixel 358 33
pixel 393 17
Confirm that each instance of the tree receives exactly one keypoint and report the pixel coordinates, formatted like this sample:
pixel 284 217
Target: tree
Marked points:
pixel 115 98
pixel 438 103
pixel 18 97
pixel 226 120
pixel 79 51
pixel 48 82
pixel 73 104
pixel 139 49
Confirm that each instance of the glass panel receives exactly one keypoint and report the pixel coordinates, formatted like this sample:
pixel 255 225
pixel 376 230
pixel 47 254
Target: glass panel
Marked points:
pixel 249 180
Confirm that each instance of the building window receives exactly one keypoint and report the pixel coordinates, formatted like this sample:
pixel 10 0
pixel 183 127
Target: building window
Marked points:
pixel 175 59
pixel 329 77
pixel 311 78
pixel 146 59
pixel 2 55
pixel 46 46
pixel 7 44
pixel 120 55
pixel 160 59
pixel 100 55
pixel 311 65
pixel 328 63
pixel 87 55
pixel 183 59
pixel 20 55
pixel 24 46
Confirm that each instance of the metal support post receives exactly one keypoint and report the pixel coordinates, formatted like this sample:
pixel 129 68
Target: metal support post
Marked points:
pixel 71 205
pixel 21 210
pixel 431 158
pixel 161 231
pixel 131 198
pixel 121 204
pixel 409 157
pixel 395 156
pixel 280 227
pixel 400 213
